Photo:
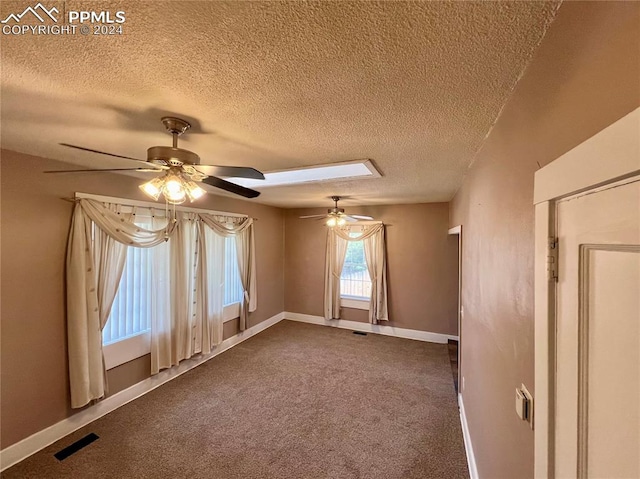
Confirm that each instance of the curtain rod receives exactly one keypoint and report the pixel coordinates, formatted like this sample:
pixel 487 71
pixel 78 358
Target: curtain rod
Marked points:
pixel 148 204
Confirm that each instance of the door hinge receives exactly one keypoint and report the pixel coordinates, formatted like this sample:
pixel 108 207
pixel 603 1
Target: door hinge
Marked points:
pixel 552 259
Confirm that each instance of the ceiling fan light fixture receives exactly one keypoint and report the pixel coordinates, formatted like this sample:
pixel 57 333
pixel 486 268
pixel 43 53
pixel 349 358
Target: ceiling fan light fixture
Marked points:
pixel 332 222
pixel 193 191
pixel 341 221
pixel 174 189
pixel 153 188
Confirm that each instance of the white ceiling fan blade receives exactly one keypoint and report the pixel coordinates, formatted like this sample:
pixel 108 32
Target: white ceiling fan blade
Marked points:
pixel 313 216
pixel 361 217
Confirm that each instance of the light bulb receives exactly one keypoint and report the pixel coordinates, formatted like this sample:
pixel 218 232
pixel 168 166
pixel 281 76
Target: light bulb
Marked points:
pixel 152 188
pixel 173 190
pixel 341 221
pixel 331 221
pixel 194 191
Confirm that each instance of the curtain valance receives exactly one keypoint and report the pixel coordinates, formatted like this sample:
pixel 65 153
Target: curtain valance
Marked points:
pixel 121 228
pixel 226 225
pixel 368 231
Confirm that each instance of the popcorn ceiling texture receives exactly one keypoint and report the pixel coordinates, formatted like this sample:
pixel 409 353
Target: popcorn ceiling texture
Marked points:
pixel 415 86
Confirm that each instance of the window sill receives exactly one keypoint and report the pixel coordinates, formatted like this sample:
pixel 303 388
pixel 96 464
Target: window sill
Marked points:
pixel 126 349
pixel 231 311
pixel 133 347
pixel 354 303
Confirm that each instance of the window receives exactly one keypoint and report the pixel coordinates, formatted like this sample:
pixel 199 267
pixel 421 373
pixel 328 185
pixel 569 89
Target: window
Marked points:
pixel 355 283
pixel 232 283
pixel 131 310
pixel 126 335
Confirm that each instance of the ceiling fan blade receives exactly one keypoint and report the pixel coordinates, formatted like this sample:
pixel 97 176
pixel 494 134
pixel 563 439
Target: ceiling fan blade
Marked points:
pixel 350 219
pixel 361 217
pixel 313 216
pixel 110 154
pixel 230 171
pixel 106 169
pixel 230 187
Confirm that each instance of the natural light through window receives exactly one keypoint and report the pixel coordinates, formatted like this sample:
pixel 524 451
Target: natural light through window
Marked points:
pixel 355 282
pixel 232 283
pixel 132 307
pixel 131 310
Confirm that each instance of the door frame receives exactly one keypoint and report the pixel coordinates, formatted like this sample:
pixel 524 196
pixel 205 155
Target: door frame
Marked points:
pixel 457 230
pixel 611 155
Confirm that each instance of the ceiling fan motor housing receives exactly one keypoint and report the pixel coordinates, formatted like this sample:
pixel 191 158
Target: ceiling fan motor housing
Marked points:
pixel 172 156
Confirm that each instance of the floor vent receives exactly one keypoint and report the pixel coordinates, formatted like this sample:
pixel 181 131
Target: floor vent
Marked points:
pixel 75 447
pixel 360 333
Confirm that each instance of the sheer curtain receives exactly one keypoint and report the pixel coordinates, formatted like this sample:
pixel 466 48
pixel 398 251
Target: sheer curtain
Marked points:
pixel 246 253
pixel 188 307
pixel 93 270
pixel 375 257
pixel 174 328
pixel 212 288
pixel 161 331
pixel 242 230
pixel 334 261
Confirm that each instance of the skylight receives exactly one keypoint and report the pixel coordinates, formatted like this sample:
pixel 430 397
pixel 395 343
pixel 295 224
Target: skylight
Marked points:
pixel 334 171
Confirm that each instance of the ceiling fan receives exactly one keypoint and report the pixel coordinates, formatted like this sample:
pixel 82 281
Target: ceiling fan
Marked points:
pixel 336 216
pixel 180 168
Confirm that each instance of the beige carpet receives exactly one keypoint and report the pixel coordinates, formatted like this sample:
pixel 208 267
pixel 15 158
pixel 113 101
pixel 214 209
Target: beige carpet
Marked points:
pixel 295 401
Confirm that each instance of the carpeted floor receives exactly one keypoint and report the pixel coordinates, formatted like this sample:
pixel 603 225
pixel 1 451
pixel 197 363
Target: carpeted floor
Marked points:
pixel 295 401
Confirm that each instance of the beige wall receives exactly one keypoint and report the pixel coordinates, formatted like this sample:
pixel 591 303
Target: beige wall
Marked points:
pixel 421 258
pixel 584 76
pixel 35 223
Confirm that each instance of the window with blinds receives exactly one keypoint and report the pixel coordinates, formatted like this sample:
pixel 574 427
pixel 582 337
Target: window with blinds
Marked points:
pixel 131 311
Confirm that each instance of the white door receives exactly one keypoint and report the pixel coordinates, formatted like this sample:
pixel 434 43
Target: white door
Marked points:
pixel 597 359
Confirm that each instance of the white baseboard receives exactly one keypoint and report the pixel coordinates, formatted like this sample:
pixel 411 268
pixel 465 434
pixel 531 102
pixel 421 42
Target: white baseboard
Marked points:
pixel 372 328
pixel 34 443
pixel 471 459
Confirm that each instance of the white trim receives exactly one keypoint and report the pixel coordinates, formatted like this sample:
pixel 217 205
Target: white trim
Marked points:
pixel 371 328
pixel 150 204
pixel 609 156
pixel 34 443
pixel 457 230
pixel 352 302
pixel 126 349
pixel 544 342
pixel 230 311
pixel 468 446
pixel 590 164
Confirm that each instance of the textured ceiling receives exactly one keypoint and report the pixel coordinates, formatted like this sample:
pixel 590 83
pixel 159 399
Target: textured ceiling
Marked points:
pixel 414 86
